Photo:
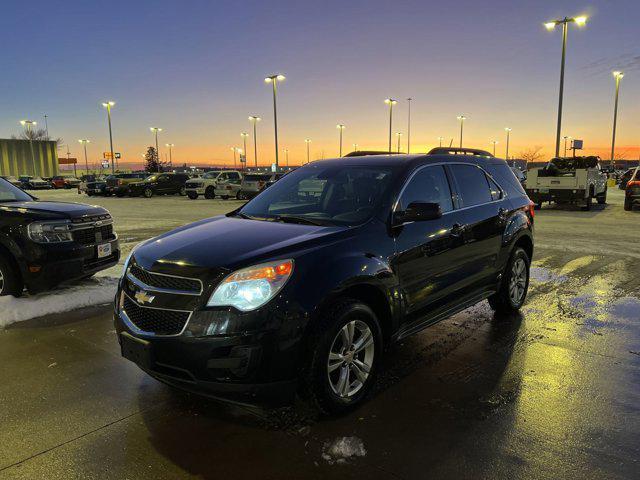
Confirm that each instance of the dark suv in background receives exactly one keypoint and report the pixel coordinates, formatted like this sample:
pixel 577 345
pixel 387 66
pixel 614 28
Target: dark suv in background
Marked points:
pixel 118 184
pixel 300 289
pixel 160 184
pixel 43 244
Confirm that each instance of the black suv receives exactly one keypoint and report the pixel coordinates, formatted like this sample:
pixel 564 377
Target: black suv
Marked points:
pixel 301 288
pixel 160 184
pixel 43 244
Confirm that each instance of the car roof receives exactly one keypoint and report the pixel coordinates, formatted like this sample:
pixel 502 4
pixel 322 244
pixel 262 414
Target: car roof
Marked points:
pixel 409 161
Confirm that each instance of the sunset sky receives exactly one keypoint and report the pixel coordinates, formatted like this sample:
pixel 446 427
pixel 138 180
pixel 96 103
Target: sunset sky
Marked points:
pixel 196 69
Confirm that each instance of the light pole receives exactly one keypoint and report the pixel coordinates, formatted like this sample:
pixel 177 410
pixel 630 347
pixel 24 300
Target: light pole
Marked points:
pixel 409 126
pixel 28 124
pixel 274 79
pixel 244 136
pixel 355 147
pixel 286 156
pixel 84 142
pixel 462 118
pixel 399 135
pixel 340 127
pixel 618 76
pixel 440 140
pixel 46 125
pixel 255 119
pixel 108 106
pixel 307 141
pixel 566 137
pixel 580 21
pixel 508 130
pixel 155 131
pixel 170 145
pixel 494 147
pixel 391 102
pixel 234 150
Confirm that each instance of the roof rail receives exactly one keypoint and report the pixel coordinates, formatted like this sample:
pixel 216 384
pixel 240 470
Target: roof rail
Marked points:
pixel 459 151
pixel 364 153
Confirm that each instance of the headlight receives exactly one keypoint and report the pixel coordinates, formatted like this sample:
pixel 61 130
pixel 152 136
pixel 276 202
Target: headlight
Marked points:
pixel 126 262
pixel 252 287
pixel 49 232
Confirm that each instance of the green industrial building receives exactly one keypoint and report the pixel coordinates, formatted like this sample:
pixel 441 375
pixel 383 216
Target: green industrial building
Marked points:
pixel 24 157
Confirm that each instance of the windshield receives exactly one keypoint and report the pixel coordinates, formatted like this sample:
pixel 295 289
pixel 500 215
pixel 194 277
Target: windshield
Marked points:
pixel 211 175
pixel 324 195
pixel 9 193
pixel 255 178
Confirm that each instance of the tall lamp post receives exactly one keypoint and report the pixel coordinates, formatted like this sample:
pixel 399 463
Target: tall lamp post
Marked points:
pixel 155 131
pixel 286 156
pixel 494 147
pixel 391 102
pixel 244 136
pixel 235 151
pixel 274 79
pixel 355 147
pixel 440 140
pixel 108 106
pixel 409 126
pixel 618 76
pixel 307 141
pixel 462 118
pixel 340 127
pixel 170 146
pixel 28 124
pixel 399 135
pixel 84 142
pixel 580 21
pixel 566 138
pixel 255 119
pixel 506 154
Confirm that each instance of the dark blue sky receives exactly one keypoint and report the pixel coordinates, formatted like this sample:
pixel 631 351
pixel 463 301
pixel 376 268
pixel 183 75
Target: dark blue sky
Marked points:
pixel 196 68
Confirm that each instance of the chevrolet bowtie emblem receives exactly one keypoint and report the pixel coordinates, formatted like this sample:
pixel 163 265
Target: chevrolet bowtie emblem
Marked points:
pixel 143 297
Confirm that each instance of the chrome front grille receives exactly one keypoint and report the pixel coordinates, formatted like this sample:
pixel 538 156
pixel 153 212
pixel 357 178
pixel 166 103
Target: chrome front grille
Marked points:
pixel 164 283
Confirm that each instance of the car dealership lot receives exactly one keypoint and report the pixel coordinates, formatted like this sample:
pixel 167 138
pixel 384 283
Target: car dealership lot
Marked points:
pixel 551 394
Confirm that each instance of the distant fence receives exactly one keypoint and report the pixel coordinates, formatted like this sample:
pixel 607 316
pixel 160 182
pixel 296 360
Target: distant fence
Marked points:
pixel 22 157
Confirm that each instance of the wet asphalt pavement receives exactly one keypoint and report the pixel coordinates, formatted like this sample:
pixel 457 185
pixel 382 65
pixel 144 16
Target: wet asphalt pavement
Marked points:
pixel 552 393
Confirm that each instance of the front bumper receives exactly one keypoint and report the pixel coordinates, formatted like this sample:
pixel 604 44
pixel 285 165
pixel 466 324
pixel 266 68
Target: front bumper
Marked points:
pixel 198 190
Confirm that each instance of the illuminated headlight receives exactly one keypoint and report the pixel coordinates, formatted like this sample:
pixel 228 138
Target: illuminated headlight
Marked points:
pixel 49 232
pixel 252 287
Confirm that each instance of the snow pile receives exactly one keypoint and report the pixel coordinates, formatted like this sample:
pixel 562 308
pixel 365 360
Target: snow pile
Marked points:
pixel 97 291
pixel 343 448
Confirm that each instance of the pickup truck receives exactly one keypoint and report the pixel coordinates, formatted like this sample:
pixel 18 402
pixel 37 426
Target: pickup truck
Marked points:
pixel 207 184
pixel 576 180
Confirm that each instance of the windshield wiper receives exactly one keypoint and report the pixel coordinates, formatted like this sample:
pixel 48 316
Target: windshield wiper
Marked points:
pixel 300 220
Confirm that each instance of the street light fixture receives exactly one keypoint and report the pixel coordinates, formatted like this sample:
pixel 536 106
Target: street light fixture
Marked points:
pixel 409 126
pixel 170 145
pixel 307 141
pixel 28 124
pixel 399 135
pixel 462 118
pixel 494 147
pixel 618 76
pixel 84 142
pixel 355 147
pixel 274 79
pixel 255 119
pixel 108 104
pixel 155 131
pixel 508 130
pixel 440 140
pixel 244 136
pixel 340 127
pixel 579 21
pixel 391 102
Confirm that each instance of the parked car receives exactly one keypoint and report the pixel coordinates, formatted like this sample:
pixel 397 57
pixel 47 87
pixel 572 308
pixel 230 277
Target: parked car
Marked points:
pixel 301 288
pixel 43 244
pixel 159 184
pixel 13 181
pixel 577 180
pixel 253 184
pixel 520 175
pixel 60 181
pixel 228 187
pixel 34 183
pixel 206 185
pixel 93 185
pixel 118 184
pixel 624 178
pixel 632 190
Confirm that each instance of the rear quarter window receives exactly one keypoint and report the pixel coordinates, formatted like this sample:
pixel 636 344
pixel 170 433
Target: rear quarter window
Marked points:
pixel 506 179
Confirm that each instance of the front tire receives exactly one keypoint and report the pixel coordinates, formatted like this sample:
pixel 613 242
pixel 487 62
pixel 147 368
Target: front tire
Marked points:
pixel 148 193
pixel 183 191
pixel 192 195
pixel 345 352
pixel 514 285
pixel 209 193
pixel 10 279
pixel 627 204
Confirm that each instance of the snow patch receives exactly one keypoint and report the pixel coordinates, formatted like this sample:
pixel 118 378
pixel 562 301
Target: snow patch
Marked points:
pixel 99 290
pixel 342 449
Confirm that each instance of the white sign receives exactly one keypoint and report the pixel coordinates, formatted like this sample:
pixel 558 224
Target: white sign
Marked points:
pixel 273 167
pixel 105 164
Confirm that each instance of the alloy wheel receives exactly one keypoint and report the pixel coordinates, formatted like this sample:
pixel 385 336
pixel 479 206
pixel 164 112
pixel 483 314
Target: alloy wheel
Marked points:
pixel 517 281
pixel 350 358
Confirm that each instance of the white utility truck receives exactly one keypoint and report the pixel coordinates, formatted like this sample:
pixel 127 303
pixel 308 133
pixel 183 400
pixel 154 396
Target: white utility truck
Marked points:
pixel 207 184
pixel 576 180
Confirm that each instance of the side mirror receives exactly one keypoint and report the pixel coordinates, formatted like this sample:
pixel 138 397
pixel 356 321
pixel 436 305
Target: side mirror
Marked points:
pixel 419 212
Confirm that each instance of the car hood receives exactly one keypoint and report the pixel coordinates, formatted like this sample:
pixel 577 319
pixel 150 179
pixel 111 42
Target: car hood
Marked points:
pixel 227 243
pixel 52 210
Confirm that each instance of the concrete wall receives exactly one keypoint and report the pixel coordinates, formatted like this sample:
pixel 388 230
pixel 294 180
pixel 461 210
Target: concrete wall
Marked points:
pixel 16 159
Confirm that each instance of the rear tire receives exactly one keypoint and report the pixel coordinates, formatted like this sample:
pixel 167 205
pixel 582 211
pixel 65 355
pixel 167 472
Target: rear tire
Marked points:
pixel 602 198
pixel 10 279
pixel 627 204
pixel 225 197
pixel 514 285
pixel 148 193
pixel 588 202
pixel 183 191
pixel 345 350
pixel 210 193
pixel 192 195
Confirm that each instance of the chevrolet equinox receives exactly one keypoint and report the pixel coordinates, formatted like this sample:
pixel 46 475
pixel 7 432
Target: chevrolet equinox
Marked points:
pixel 301 289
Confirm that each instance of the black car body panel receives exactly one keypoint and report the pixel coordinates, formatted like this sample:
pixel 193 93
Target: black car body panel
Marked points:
pixel 160 184
pixel 413 274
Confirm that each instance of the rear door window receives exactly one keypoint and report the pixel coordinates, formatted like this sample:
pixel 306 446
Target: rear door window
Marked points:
pixel 472 183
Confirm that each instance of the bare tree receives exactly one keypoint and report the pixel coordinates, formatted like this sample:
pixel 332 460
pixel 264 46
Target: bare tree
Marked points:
pixel 36 134
pixel 532 154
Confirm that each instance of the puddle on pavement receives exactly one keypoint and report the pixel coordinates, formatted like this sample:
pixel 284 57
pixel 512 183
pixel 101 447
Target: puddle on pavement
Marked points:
pixel 542 275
